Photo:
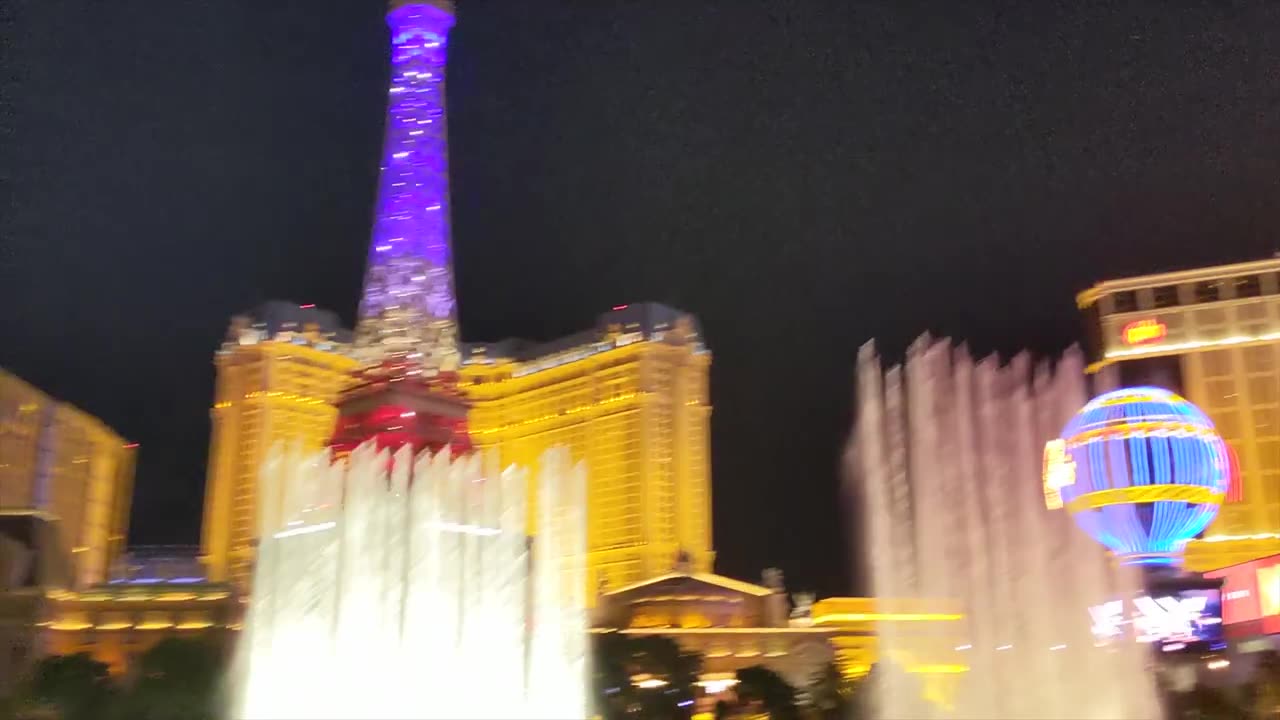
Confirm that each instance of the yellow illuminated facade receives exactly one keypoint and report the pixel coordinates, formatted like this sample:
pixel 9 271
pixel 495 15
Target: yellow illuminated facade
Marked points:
pixel 630 399
pixel 734 625
pixel 278 374
pixel 70 467
pixel 1214 334
pixel 116 623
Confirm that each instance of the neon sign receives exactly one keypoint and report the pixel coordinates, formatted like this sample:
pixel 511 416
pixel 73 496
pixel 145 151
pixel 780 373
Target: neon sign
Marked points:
pixel 1059 471
pixel 1169 618
pixel 1188 617
pixel 1143 332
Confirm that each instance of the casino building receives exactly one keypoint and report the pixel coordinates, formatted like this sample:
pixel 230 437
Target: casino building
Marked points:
pixel 1213 335
pixel 279 371
pixel 69 468
pixel 629 397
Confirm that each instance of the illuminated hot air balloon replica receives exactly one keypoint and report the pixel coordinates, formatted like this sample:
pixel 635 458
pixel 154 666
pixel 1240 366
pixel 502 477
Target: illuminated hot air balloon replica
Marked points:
pixel 1141 470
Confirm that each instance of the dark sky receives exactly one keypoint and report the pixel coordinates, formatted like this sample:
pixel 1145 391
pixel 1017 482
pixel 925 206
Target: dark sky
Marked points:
pixel 802 174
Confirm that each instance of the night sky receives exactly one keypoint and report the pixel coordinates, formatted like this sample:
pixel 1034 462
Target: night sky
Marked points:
pixel 802 174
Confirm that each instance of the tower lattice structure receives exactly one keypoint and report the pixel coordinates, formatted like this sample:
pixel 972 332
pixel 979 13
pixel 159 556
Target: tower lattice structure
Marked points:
pixel 406 340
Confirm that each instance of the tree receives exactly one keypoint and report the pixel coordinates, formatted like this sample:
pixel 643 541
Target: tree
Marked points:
pixel 835 696
pixel 177 679
pixel 69 687
pixel 760 684
pixel 618 658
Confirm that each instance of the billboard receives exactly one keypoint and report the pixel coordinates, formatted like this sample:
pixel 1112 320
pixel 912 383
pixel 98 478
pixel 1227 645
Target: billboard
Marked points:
pixel 1250 591
pixel 1171 619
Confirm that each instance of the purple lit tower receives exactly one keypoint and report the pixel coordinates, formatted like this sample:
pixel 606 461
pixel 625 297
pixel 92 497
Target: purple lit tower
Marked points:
pixel 407 333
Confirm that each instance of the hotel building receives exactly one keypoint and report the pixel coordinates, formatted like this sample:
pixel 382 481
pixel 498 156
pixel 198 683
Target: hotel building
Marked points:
pixel 1212 334
pixel 66 583
pixel 279 371
pixel 68 467
pixel 629 397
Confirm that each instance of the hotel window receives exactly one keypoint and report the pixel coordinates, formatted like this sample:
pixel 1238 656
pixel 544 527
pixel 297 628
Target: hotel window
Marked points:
pixel 1208 291
pixel 1165 296
pixel 1259 359
pixel 1248 286
pixel 1124 302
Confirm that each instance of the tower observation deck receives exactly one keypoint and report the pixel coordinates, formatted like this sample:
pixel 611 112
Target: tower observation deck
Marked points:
pixel 406 337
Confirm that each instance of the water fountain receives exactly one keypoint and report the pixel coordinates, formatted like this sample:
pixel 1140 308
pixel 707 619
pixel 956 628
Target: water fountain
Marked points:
pixel 403 587
pixel 946 460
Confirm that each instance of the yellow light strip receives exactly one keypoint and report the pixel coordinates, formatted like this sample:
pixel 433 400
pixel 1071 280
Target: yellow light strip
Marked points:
pixel 1134 396
pixel 680 598
pixel 281 395
pixel 101 597
pixel 713 631
pixel 155 626
pixel 195 626
pixel 570 411
pixel 886 617
pixel 1145 494
pixel 70 626
pixel 1156 348
pixel 1236 538
pixel 942 669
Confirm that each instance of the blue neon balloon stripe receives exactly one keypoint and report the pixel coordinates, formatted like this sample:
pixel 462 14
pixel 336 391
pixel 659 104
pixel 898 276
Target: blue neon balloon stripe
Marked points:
pixel 1142 457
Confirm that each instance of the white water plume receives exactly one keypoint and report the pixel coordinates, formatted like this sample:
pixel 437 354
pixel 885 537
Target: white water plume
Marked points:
pixel 946 457
pixel 403 587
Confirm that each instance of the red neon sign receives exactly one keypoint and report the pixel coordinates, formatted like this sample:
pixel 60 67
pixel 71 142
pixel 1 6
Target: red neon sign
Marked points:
pixel 1141 332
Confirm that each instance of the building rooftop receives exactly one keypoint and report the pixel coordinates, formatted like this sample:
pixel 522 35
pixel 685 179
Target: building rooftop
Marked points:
pixel 274 317
pixel 1177 277
pixel 158 565
pixel 637 321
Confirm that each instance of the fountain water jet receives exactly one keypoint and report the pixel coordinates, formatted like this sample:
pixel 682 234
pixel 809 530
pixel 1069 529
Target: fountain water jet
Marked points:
pixel 403 587
pixel 946 457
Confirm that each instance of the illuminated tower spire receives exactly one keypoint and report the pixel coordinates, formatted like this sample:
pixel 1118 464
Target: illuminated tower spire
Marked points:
pixel 407 334
pixel 408 308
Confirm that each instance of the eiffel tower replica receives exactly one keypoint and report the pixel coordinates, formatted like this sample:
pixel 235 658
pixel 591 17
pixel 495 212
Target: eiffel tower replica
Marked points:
pixel 406 388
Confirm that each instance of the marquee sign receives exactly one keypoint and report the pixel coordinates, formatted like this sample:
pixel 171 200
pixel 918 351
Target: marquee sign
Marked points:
pixel 1144 332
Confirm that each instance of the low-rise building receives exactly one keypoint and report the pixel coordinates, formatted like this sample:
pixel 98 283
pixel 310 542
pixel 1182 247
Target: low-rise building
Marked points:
pixel 154 593
pixel 734 625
